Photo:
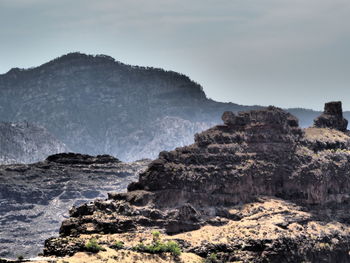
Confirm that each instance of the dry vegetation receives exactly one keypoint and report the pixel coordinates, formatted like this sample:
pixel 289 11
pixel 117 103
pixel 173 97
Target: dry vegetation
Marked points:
pixel 326 135
pixel 270 218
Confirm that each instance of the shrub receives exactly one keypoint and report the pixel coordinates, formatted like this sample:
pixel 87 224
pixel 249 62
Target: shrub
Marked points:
pixel 93 246
pixel 212 258
pixel 156 236
pixel 158 247
pixel 118 245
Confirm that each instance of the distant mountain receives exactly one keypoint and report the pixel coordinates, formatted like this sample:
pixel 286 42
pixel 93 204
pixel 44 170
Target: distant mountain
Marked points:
pixel 97 105
pixel 26 143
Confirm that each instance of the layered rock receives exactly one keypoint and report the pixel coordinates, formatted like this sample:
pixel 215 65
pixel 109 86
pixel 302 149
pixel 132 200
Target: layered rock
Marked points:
pixel 234 178
pixel 332 117
pixel 35 198
pixel 27 143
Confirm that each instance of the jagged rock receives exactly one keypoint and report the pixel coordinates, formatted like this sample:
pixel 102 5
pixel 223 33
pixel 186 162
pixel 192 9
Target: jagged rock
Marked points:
pixel 35 198
pixel 229 118
pixel 332 117
pixel 63 247
pixel 255 154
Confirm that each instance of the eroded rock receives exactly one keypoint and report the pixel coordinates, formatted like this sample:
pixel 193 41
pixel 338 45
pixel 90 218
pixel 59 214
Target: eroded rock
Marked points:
pixel 332 117
pixel 207 184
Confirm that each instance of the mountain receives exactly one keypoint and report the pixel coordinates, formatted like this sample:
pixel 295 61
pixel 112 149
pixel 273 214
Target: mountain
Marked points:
pixel 35 197
pixel 26 143
pixel 97 105
pixel 257 188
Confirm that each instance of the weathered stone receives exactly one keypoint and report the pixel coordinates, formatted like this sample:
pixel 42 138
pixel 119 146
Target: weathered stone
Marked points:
pixel 264 153
pixel 332 117
pixel 229 118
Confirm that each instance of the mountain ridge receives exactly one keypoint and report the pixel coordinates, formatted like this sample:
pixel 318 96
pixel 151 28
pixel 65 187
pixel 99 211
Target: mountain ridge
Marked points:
pixel 86 100
pixel 97 105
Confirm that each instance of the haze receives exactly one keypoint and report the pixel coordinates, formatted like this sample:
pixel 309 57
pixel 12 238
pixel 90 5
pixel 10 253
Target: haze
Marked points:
pixel 283 52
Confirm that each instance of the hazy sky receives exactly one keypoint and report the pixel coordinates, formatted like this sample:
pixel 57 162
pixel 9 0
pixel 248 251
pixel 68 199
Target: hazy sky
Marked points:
pixel 282 52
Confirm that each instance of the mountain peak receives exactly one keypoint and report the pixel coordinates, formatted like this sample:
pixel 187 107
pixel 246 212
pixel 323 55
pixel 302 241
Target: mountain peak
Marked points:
pixel 77 57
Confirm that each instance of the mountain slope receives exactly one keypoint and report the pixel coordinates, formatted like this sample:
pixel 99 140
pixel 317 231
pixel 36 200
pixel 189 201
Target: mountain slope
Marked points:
pixel 26 143
pixel 36 197
pixel 97 105
pixel 88 101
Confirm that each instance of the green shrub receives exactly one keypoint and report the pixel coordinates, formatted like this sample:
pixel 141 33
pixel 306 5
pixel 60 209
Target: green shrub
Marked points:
pixel 118 245
pixel 93 246
pixel 20 257
pixel 156 236
pixel 212 258
pixel 158 247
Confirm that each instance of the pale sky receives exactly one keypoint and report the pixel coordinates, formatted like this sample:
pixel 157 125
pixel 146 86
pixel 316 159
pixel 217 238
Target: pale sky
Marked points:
pixel 288 53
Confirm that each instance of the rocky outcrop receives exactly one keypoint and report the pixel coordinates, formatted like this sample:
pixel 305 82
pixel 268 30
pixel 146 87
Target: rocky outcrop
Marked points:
pixel 35 198
pixel 252 159
pixel 332 117
pixel 26 143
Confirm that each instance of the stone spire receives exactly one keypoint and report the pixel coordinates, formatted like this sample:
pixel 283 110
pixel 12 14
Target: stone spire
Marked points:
pixel 332 117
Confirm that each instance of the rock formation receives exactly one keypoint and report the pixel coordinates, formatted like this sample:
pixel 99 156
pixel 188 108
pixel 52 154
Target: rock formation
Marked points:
pixel 256 189
pixel 26 143
pixel 35 198
pixel 332 117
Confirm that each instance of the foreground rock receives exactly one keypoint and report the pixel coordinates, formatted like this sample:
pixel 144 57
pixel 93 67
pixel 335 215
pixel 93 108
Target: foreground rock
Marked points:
pixel 35 198
pixel 256 189
pixel 26 143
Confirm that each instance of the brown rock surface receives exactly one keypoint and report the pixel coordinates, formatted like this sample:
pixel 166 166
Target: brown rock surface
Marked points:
pixel 256 189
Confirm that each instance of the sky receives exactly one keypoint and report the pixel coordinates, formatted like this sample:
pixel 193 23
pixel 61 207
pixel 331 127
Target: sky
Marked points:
pixel 288 53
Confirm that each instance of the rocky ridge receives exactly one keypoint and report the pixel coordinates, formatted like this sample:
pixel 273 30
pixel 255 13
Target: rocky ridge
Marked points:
pixel 35 197
pixel 27 143
pixel 256 189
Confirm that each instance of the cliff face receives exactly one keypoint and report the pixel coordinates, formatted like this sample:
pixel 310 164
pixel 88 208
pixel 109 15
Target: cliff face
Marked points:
pixel 255 189
pixel 34 197
pixel 26 143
